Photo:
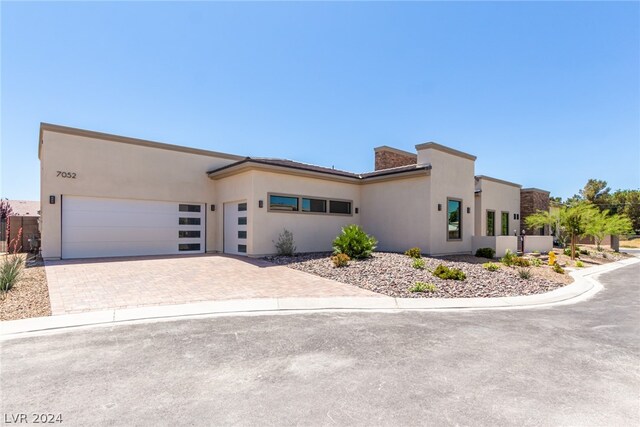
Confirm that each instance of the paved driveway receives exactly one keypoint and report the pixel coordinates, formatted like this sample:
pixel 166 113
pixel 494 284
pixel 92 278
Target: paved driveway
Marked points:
pixel 99 284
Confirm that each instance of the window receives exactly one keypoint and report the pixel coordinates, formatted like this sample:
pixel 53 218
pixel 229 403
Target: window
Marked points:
pixel 242 220
pixel 242 249
pixel 242 234
pixel 194 234
pixel 189 221
pixel 339 207
pixel 314 205
pixel 454 223
pixel 189 208
pixel 189 247
pixel 283 203
pixel 242 207
pixel 491 223
pixel 505 223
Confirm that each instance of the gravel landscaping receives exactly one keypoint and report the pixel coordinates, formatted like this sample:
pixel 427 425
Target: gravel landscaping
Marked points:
pixel 29 297
pixel 393 274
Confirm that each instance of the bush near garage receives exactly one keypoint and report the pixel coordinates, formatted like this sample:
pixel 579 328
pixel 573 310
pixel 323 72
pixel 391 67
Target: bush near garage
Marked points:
pixel 485 253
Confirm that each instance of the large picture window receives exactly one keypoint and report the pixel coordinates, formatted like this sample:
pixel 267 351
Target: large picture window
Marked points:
pixel 283 203
pixel 505 223
pixel 491 223
pixel 454 222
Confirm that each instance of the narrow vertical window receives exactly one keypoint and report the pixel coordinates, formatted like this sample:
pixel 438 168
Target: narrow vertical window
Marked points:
pixel 505 223
pixel 491 223
pixel 454 223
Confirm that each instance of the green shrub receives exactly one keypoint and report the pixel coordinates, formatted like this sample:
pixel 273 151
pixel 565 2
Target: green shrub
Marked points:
pixel 10 271
pixel 485 253
pixel 579 264
pixel 285 244
pixel 558 269
pixel 491 266
pixel 584 252
pixel 567 251
pixel 354 242
pixel 536 262
pixel 423 287
pixel 508 257
pixel 521 262
pixel 418 263
pixel 340 260
pixel 414 253
pixel 525 273
pixel 444 272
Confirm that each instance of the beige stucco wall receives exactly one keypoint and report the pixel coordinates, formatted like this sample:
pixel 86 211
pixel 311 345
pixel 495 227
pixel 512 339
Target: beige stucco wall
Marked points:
pixel 500 198
pixel 397 213
pixel 311 232
pixel 452 176
pixel 118 170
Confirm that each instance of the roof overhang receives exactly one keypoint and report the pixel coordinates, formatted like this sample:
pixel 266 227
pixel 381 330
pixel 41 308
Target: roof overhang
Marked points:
pixel 249 164
pixel 499 181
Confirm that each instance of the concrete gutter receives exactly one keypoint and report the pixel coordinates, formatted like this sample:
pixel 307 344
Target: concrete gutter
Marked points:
pixel 584 286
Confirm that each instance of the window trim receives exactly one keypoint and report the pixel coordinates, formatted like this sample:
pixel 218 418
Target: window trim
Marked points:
pixel 304 196
pixel 486 224
pixel 501 223
pixel 459 239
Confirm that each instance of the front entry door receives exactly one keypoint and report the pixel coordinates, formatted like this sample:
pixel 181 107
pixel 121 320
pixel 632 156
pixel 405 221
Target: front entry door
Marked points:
pixel 235 228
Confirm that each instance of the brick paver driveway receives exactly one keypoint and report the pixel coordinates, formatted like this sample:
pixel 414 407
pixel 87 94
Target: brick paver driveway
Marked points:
pixel 99 284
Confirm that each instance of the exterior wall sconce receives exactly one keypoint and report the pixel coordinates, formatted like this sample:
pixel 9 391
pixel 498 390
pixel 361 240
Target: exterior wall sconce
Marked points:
pixel 213 208
pixel 52 200
pixel 468 210
pixel 260 204
pixel 516 216
pixel 357 210
pixel 439 206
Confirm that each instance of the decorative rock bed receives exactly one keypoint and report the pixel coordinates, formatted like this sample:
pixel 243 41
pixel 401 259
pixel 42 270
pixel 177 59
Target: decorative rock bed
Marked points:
pixel 392 274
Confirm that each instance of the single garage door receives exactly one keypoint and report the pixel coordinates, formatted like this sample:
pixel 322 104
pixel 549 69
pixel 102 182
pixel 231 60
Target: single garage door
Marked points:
pixel 100 227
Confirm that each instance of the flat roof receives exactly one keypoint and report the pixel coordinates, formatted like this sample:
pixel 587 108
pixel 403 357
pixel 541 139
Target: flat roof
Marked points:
pixel 444 149
pixel 533 189
pixel 499 181
pixel 48 127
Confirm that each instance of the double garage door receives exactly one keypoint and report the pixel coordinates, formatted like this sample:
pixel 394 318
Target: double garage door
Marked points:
pixel 99 227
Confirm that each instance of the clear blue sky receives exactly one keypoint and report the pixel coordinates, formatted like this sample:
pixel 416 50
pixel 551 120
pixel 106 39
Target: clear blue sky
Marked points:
pixel 545 94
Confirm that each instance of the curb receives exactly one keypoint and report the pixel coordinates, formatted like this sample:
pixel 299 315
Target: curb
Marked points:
pixel 584 286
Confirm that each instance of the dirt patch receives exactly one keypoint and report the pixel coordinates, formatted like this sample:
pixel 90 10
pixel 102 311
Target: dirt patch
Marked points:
pixel 29 297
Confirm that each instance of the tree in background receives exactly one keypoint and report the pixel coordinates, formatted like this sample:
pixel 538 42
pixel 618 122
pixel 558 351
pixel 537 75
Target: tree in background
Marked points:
pixel 627 202
pixel 5 213
pixel 603 224
pixel 573 220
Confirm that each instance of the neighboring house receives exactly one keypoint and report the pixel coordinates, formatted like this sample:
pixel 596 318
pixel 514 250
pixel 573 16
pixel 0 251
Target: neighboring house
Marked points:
pixel 106 195
pixel 25 215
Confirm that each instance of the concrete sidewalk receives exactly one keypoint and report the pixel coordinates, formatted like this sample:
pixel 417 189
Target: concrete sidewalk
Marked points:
pixel 584 286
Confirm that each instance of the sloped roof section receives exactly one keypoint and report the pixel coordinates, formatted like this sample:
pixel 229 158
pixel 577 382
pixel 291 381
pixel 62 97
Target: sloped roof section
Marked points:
pixel 290 164
pixel 24 207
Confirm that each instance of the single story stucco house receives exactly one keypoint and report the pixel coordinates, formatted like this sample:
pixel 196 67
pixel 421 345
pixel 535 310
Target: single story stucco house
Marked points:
pixel 104 195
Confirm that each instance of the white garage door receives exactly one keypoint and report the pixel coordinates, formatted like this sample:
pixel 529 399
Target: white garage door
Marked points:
pixel 98 227
pixel 235 228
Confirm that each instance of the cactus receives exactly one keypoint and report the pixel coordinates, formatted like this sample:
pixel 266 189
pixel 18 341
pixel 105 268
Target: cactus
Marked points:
pixel 552 258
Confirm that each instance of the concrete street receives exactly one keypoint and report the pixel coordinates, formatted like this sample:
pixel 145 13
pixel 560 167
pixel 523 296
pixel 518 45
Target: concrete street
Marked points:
pixel 565 365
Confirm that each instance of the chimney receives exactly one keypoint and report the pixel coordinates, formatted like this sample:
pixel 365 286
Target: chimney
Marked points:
pixel 389 157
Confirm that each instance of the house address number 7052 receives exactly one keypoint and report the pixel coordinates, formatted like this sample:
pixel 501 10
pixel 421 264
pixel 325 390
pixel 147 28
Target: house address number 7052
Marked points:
pixel 66 174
